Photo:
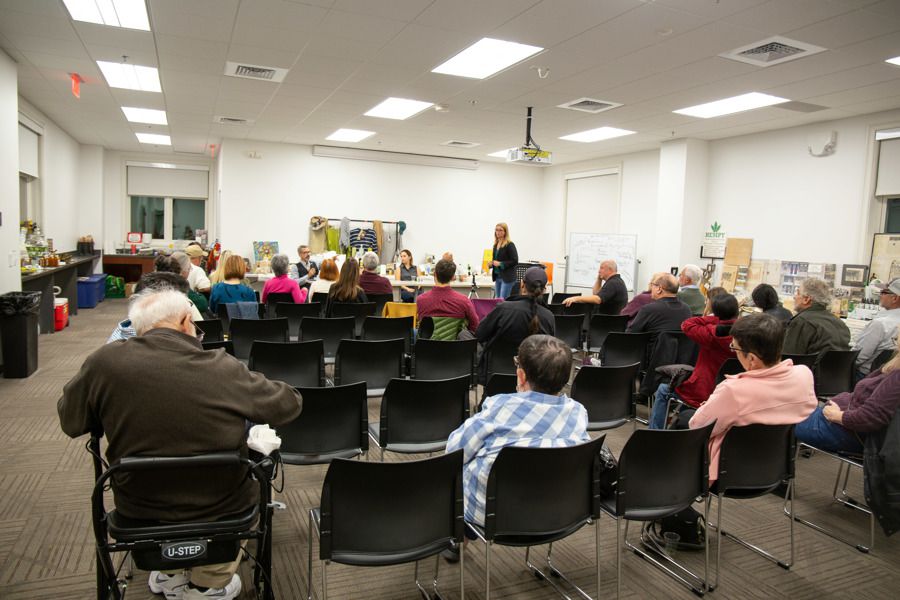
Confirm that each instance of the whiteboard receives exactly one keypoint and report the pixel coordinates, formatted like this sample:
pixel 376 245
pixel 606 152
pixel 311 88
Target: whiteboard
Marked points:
pixel 587 250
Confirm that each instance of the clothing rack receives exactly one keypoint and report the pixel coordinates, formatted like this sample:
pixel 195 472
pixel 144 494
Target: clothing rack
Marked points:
pixel 330 220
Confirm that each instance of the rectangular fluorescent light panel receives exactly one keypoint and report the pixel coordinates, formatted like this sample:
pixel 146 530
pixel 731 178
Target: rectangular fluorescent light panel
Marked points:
pixel 501 153
pixel 729 106
pixel 398 108
pixel 145 115
pixel 130 14
pixel 894 61
pixel 154 138
pixel 596 135
pixel 349 135
pixel 486 57
pixel 130 77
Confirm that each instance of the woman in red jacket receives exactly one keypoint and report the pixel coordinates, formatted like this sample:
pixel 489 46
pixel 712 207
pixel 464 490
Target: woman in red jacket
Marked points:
pixel 711 334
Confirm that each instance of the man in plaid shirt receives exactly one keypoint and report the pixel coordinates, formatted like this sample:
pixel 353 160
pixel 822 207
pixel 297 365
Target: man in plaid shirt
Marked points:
pixel 537 415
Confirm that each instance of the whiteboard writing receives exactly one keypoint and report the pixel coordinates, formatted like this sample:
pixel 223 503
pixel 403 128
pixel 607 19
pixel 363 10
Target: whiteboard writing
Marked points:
pixel 587 250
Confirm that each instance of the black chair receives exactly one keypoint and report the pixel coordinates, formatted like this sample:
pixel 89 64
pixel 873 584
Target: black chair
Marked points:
pixel 418 415
pixel 584 310
pixel 375 362
pixel 273 299
pixel 227 345
pixel 320 298
pixel 299 364
pixel 160 546
pixel 426 328
pixel 557 309
pixel 624 349
pixel 731 366
pixel 246 331
pixel 560 296
pixel 607 393
pixel 383 328
pixel 568 329
pixel 754 460
pixel 212 330
pixel 671 348
pixel 601 326
pixel 294 313
pixel 330 331
pixel 499 358
pixel 434 359
pixel 539 496
pixel 807 360
pixel 834 373
pixel 222 313
pixel 334 423
pixel 661 472
pixel 375 514
pixel 358 310
pixel 380 300
pixel 497 383
pixel 881 358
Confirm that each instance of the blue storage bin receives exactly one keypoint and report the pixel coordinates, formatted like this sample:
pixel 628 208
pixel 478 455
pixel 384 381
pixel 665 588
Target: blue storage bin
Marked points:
pixel 91 290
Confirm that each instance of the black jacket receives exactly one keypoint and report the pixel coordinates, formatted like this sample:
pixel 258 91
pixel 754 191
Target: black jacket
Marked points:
pixel 509 257
pixel 882 474
pixel 510 319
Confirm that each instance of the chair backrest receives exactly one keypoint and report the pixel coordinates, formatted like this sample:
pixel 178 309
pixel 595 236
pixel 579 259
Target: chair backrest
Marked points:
pixel 557 309
pixel 606 392
pixel 671 348
pixel 375 362
pixel 500 357
pixel 542 491
pixel 320 298
pixel 756 458
pixel 273 299
pixel 380 300
pixel 383 328
pixel 426 328
pixel 299 364
pixel 662 471
pixel 295 312
pixel 881 358
pixel 222 313
pixel 731 366
pixel 434 359
pixel 246 331
pixel 334 422
pixel 499 383
pixel 558 297
pixel 330 331
pixel 418 411
pixel 212 330
pixel 834 373
pixel 228 346
pixel 622 348
pixel 358 310
pixel 602 325
pixel 807 360
pixel 568 329
pixel 400 511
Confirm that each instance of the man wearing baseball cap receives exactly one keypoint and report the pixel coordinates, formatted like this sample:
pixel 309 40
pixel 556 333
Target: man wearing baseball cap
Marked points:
pixel 881 331
pixel 197 278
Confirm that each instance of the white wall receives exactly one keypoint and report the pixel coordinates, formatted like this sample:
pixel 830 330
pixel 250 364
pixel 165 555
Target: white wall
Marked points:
pixel 10 275
pixel 90 192
pixel 273 198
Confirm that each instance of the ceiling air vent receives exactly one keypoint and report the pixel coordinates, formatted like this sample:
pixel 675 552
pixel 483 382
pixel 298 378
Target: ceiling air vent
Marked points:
pixel 234 69
pixel 589 105
pixel 460 144
pixel 231 120
pixel 772 51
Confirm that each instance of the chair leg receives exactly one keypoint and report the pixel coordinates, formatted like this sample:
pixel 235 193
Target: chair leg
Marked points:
pixel 462 570
pixel 666 564
pixel 556 573
pixel 325 579
pixel 618 558
pixel 487 570
pixel 309 581
pixel 597 550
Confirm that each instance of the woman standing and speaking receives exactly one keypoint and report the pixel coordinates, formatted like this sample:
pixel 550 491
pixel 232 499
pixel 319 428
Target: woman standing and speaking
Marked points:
pixel 504 262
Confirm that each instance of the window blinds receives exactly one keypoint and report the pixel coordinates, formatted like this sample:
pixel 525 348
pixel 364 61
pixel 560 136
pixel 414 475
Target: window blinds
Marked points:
pixel 165 182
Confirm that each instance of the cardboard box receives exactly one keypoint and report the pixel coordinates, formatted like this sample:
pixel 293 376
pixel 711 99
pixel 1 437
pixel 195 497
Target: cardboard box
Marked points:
pixel 129 289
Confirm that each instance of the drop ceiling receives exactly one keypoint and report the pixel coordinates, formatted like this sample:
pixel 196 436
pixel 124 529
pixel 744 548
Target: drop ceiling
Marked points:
pixel 345 56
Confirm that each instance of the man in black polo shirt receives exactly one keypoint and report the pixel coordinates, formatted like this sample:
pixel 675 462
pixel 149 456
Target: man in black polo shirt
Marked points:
pixel 609 291
pixel 665 313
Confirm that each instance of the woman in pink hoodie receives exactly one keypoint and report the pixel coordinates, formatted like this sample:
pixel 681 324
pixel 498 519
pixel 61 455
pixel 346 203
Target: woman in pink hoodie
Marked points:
pixel 771 391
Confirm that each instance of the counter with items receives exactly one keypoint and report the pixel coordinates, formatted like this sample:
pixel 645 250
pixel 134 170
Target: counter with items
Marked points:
pixel 65 276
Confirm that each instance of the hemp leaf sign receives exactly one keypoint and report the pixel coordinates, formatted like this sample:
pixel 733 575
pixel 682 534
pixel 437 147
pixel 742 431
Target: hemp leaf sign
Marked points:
pixel 715 227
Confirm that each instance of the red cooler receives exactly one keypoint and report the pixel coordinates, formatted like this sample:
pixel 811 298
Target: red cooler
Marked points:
pixel 60 313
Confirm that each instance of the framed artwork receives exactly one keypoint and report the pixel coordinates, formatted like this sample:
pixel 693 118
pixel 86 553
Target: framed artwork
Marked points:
pixel 854 275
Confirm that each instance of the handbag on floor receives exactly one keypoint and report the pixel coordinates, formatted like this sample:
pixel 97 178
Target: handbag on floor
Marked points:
pixel 688 524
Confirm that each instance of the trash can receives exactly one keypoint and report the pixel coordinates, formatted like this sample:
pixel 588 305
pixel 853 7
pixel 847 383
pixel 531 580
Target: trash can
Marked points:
pixel 19 315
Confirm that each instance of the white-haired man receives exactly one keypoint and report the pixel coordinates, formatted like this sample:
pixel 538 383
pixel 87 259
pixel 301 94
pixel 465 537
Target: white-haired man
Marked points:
pixel 609 291
pixel 814 330
pixel 161 394
pixel 689 289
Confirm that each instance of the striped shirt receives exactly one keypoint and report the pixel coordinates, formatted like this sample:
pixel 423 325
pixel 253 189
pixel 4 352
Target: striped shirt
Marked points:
pixel 123 331
pixel 364 239
pixel 529 419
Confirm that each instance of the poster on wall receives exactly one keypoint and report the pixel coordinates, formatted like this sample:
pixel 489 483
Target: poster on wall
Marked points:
pixel 713 243
pixel 885 263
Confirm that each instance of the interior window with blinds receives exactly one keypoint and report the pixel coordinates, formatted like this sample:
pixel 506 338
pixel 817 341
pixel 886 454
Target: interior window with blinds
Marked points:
pixel 168 203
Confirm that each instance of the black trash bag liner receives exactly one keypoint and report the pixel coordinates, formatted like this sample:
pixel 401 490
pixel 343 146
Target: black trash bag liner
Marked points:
pixel 20 303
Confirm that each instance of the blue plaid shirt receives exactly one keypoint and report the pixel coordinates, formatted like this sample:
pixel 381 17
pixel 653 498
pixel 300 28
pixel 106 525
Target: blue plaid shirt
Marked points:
pixel 123 331
pixel 528 419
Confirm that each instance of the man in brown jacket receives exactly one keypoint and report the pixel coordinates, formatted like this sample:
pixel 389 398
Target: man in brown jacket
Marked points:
pixel 161 394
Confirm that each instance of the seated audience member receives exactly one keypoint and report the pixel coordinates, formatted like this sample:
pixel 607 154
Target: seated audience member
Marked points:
pixel 161 394
pixel 519 316
pixel 231 290
pixel 407 272
pixel 182 266
pixel 281 283
pixel 347 288
pixel 537 415
pixel 844 421
pixel 765 298
pixel 689 290
pixel 442 301
pixel 609 291
pixel 157 281
pixel 305 270
pixel 218 276
pixel 197 277
pixel 328 275
pixel 640 300
pixel 665 313
pixel 370 281
pixel 712 293
pixel 770 391
pixel 814 330
pixel 712 336
pixel 881 332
